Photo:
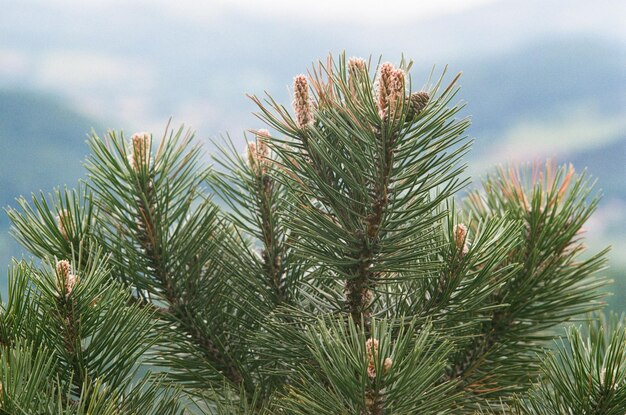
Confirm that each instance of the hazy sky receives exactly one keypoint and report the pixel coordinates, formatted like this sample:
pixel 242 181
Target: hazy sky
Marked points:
pixel 366 11
pixel 137 62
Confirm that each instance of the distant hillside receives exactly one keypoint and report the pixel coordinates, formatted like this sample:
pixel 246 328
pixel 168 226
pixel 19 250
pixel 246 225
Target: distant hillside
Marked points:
pixel 42 145
pixel 43 142
pixel 608 164
pixel 542 82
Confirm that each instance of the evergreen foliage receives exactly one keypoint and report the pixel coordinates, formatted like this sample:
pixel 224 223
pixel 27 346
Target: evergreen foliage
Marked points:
pixel 585 374
pixel 336 273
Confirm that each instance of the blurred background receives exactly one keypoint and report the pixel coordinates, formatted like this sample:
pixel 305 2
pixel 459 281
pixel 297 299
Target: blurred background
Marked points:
pixel 542 78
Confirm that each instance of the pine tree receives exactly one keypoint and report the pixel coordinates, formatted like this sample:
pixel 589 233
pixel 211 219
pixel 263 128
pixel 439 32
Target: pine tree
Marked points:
pixel 337 267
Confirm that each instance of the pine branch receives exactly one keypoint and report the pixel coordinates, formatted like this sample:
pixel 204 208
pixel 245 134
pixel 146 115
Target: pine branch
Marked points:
pixel 156 221
pixel 258 203
pixel 92 340
pixel 369 375
pixel 551 284
pixel 28 380
pixel 584 375
pixel 57 225
pixel 356 204
pixel 150 240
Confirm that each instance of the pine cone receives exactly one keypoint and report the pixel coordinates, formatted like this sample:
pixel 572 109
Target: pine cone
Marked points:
pixel 417 102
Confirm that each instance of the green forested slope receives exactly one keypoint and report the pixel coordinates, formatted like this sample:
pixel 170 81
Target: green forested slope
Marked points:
pixel 42 143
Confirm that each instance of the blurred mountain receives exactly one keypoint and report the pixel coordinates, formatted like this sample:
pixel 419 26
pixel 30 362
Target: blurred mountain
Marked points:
pixel 608 164
pixel 547 82
pixel 42 144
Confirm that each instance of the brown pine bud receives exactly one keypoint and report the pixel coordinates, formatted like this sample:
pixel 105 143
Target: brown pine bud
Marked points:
pixel 63 219
pixel 371 370
pixel 262 137
pixel 251 156
pixel 63 270
pixel 391 83
pixel 371 348
pixel 301 101
pixel 262 133
pixel 356 70
pixel 72 280
pixel 460 238
pixel 387 364
pixel 384 87
pixel 65 280
pixel 259 152
pixel 140 156
pixel 356 65
pixel 396 93
pixel 417 103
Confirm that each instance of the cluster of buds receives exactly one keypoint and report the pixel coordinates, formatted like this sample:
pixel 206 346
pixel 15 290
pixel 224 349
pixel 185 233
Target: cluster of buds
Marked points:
pixel 391 84
pixel 301 101
pixel 259 152
pixel 371 348
pixel 139 157
pixel 356 69
pixel 63 219
pixel 460 239
pixel 65 279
